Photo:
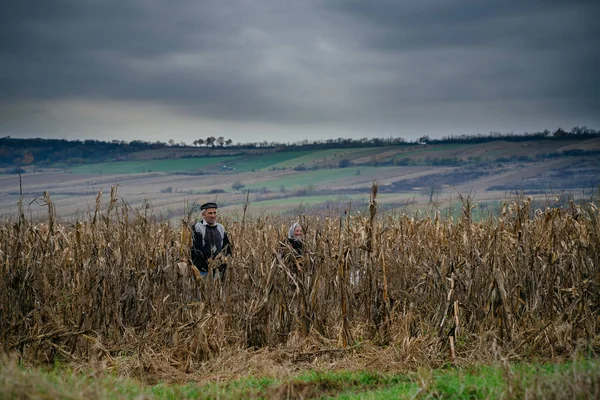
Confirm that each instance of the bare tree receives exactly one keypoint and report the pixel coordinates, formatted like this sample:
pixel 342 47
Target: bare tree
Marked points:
pixel 210 141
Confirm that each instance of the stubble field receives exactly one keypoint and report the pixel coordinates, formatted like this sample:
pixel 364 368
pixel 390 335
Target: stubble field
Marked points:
pixel 382 292
pixel 432 267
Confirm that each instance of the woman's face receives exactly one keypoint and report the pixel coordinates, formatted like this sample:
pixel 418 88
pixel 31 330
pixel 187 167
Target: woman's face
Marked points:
pixel 298 232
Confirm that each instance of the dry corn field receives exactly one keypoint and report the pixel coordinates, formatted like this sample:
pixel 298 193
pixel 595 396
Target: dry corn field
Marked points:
pixel 392 292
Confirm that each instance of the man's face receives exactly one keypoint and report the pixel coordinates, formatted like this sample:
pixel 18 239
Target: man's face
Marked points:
pixel 210 215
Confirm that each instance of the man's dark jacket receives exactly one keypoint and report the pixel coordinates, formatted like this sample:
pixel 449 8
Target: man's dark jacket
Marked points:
pixel 208 242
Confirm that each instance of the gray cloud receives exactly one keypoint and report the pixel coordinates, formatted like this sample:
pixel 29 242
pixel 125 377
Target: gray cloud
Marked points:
pixel 348 67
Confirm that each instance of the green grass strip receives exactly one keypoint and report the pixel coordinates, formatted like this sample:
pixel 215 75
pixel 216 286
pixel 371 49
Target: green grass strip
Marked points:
pixel 576 379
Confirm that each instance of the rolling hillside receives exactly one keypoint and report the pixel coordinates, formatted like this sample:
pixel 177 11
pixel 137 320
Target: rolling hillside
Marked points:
pixel 280 180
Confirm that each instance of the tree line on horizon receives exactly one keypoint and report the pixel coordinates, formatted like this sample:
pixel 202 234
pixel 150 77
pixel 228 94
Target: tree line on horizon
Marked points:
pixel 19 152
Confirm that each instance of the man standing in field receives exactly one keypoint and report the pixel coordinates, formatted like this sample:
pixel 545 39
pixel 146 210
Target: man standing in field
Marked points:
pixel 210 242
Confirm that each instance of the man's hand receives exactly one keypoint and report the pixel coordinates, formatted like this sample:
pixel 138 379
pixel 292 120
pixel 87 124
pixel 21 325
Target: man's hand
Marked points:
pixel 222 257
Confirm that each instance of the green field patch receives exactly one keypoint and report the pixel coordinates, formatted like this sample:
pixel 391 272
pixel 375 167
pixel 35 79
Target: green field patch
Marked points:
pixel 438 148
pixel 314 177
pixel 167 165
pixel 255 162
pixel 312 157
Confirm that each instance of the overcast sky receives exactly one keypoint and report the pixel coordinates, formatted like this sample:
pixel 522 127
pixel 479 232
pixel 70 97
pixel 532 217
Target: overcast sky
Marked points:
pixel 277 70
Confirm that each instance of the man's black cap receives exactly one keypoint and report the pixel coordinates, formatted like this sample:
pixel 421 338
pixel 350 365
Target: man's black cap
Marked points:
pixel 208 205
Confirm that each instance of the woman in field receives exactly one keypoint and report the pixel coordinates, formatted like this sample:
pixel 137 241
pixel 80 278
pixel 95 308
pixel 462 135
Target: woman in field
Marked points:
pixel 294 250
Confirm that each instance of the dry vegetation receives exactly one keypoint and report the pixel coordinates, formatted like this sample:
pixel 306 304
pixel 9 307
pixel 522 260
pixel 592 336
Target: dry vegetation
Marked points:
pixel 390 292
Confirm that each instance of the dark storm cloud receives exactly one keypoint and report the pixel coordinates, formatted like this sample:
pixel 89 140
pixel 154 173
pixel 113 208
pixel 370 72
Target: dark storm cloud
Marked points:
pixel 542 56
pixel 422 24
pixel 387 62
pixel 132 51
pixel 81 47
pixel 132 27
pixel 526 49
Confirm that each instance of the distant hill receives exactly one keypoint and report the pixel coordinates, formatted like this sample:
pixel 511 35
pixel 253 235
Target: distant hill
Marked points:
pixel 285 177
pixel 15 152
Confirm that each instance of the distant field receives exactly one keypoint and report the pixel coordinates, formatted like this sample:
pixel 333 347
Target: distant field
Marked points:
pixel 315 177
pixel 157 179
pixel 244 163
pixel 312 157
pixel 436 151
pixel 257 162
pixel 136 167
pixel 442 147
pixel 297 202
